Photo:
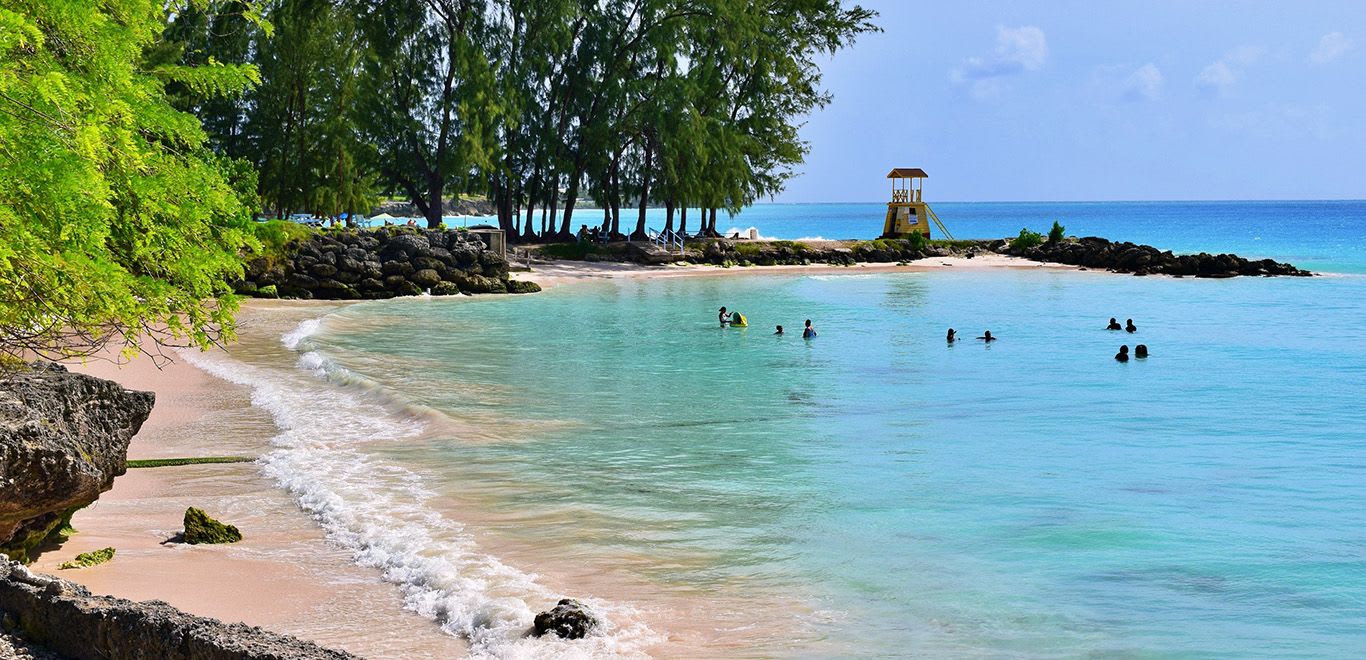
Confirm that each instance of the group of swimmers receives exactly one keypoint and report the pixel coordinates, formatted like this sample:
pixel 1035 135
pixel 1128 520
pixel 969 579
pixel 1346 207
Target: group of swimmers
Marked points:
pixel 1140 351
pixel 738 320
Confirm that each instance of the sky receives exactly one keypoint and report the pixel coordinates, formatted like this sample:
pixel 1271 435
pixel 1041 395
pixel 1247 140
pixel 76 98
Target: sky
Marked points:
pixel 1096 100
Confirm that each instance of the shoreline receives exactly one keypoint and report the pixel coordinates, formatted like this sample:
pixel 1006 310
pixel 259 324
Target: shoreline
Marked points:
pixel 550 274
pixel 286 575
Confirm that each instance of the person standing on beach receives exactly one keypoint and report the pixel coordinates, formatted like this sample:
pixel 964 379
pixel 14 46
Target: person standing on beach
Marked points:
pixel 809 332
pixel 723 317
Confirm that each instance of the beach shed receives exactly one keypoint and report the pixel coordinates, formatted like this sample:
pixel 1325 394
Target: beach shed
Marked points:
pixel 908 213
pixel 493 237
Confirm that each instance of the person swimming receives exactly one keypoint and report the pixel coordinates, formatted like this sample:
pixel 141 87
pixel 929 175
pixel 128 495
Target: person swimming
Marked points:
pixel 1114 325
pixel 780 330
pixel 1141 351
pixel 986 337
pixel 1123 354
pixel 953 335
pixel 1129 326
pixel 724 317
pixel 808 332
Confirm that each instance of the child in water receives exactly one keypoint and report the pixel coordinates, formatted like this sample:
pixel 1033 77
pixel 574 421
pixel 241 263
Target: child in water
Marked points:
pixel 780 330
pixel 1123 354
pixel 808 332
pixel 953 335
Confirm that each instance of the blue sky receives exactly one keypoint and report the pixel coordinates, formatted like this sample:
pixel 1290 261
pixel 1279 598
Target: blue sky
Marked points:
pixel 1097 101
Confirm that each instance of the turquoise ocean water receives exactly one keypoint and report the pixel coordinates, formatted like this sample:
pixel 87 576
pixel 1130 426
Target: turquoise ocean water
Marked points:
pixel 875 491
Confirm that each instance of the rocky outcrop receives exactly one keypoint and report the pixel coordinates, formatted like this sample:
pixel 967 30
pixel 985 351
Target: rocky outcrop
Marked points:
pixel 1095 252
pixel 378 263
pixel 65 618
pixel 63 439
pixel 569 619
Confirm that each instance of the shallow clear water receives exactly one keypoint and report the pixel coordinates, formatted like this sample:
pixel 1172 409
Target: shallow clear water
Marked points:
pixel 876 491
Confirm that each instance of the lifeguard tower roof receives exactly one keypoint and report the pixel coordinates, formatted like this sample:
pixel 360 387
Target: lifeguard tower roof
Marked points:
pixel 907 173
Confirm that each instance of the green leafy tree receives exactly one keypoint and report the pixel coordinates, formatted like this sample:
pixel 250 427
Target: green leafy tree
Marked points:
pixel 117 226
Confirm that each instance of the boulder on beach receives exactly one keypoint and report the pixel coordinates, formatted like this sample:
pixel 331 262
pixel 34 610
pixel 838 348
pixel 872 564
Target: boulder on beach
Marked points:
pixel 200 528
pixel 63 439
pixel 569 620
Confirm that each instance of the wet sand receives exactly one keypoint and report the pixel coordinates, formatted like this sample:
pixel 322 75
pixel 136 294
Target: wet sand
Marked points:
pixel 284 575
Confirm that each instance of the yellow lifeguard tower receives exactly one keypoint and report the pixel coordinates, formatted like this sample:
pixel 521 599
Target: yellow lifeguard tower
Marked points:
pixel 907 213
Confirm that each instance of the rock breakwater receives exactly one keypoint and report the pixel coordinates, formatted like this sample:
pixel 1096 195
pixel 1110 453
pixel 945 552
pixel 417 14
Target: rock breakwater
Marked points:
pixel 1123 257
pixel 380 263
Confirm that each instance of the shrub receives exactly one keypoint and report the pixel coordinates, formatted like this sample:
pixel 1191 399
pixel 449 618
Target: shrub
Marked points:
pixel 1056 233
pixel 1026 239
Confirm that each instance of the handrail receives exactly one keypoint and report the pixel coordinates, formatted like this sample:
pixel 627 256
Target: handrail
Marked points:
pixel 668 239
pixel 937 223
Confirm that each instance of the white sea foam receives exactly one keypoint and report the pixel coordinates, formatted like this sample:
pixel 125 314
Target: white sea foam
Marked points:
pixel 380 511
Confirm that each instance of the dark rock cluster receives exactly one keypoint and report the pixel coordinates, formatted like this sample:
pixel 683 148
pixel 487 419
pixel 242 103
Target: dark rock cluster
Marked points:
pixel 381 263
pixel 66 619
pixel 569 619
pixel 63 439
pixel 1094 252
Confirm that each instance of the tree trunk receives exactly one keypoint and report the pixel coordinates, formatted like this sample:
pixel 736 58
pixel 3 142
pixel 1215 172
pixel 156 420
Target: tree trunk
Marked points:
pixel 669 215
pixel 434 190
pixel 712 222
pixel 645 174
pixel 570 196
pixel 683 219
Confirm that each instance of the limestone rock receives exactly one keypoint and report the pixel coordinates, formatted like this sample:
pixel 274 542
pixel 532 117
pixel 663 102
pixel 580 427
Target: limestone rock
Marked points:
pixel 63 439
pixel 569 619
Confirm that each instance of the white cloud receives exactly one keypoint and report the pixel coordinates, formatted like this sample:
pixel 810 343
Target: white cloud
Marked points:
pixel 1144 84
pixel 1331 46
pixel 1018 49
pixel 1220 76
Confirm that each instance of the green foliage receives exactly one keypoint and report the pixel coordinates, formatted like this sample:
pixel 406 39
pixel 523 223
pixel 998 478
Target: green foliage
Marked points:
pixel 275 235
pixel 754 248
pixel 912 243
pixel 578 251
pixel 268 291
pixel 172 462
pixel 1057 233
pixel 87 559
pixel 200 528
pixel 1026 239
pixel 116 223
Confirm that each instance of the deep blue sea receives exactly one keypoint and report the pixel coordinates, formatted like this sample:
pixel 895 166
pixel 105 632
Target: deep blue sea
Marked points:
pixel 875 491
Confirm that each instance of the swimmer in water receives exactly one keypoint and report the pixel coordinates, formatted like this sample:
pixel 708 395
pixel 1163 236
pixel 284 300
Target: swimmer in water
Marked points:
pixel 808 332
pixel 724 317
pixel 986 337
pixel 1114 325
pixel 953 335
pixel 1129 326
pixel 780 330
pixel 1123 354
pixel 1141 351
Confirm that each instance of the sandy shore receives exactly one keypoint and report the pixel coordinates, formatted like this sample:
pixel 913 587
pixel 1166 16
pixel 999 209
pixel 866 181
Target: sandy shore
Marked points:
pixel 556 273
pixel 284 575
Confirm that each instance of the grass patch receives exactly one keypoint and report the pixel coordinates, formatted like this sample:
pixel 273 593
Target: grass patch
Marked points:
pixel 276 234
pixel 576 251
pixel 170 462
pixel 754 248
